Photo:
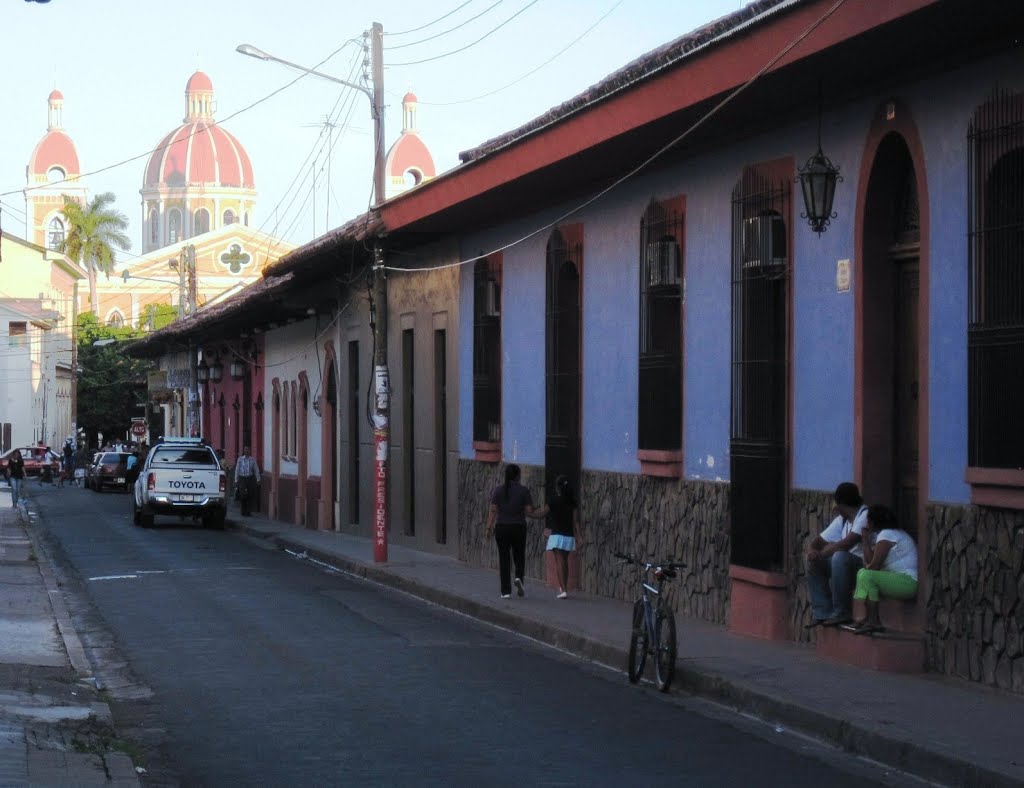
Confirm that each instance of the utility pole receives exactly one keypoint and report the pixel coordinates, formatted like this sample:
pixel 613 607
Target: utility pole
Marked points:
pixel 379 316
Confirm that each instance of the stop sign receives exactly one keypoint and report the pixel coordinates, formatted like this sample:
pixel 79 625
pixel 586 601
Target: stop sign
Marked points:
pixel 138 428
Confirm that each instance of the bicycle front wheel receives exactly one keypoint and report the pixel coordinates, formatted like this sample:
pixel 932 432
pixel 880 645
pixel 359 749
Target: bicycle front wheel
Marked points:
pixel 665 653
pixel 637 644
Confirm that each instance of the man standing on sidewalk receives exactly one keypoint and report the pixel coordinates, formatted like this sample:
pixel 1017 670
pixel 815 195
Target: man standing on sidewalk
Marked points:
pixel 247 477
pixel 834 559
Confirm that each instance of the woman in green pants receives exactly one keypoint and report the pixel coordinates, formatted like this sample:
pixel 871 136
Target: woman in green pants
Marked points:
pixel 890 566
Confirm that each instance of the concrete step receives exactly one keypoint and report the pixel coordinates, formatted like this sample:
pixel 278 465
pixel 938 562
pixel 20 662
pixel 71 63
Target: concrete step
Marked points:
pixel 892 651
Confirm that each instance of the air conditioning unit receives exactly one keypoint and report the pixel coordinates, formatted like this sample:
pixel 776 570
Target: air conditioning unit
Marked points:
pixel 764 241
pixel 663 262
pixel 492 299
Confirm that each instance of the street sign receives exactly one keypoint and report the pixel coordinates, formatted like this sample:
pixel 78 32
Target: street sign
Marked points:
pixel 139 429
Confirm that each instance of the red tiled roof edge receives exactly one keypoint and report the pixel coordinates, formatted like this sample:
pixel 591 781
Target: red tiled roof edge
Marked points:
pixel 367 225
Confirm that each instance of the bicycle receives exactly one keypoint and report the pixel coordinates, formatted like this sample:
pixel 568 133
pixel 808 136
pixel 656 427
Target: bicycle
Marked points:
pixel 654 624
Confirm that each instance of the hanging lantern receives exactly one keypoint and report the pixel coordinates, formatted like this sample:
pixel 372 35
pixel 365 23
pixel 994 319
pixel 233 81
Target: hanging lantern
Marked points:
pixel 202 372
pixel 216 372
pixel 818 179
pixel 237 370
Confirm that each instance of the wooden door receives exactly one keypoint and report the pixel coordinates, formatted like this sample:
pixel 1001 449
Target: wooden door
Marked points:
pixel 906 392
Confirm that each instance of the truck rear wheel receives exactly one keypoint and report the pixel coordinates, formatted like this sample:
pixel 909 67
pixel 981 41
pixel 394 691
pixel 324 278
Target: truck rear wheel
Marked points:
pixel 146 519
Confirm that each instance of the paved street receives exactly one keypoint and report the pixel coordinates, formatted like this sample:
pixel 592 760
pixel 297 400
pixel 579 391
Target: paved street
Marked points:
pixel 265 670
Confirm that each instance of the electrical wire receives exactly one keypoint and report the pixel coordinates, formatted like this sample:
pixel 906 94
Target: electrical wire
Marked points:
pixel 471 44
pixel 221 122
pixel 528 74
pixel 449 30
pixel 656 155
pixel 430 24
pixel 316 339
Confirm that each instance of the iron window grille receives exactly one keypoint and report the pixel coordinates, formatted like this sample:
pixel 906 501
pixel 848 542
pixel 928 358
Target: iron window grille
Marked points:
pixel 760 265
pixel 995 333
pixel 660 402
pixel 487 349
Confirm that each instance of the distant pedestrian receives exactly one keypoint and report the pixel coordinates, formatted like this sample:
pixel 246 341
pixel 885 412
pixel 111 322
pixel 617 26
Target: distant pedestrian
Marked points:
pixel 511 504
pixel 247 478
pixel 16 474
pixel 563 531
pixel 67 466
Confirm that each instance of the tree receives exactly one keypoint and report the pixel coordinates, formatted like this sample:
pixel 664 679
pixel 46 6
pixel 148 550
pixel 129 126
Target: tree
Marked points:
pixel 156 316
pixel 93 232
pixel 111 384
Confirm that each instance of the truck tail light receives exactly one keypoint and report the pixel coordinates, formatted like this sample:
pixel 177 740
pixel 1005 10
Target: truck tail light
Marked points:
pixel 223 483
pixel 151 481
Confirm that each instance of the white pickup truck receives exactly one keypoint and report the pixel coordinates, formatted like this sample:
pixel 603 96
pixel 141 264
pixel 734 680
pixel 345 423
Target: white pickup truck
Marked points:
pixel 181 477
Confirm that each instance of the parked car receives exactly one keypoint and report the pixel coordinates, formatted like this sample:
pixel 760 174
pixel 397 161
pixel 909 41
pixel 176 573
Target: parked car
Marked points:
pixel 181 477
pixel 109 469
pixel 35 458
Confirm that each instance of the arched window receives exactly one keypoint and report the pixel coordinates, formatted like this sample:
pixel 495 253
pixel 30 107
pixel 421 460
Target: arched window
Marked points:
pixel 229 217
pixel 55 233
pixel 116 320
pixel 55 174
pixel 173 226
pixel 154 226
pixel 201 222
pixel 412 177
pixel 245 219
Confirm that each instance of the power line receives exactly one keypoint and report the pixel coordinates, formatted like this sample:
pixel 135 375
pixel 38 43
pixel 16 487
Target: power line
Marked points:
pixel 558 54
pixel 449 30
pixel 472 44
pixel 196 131
pixel 656 155
pixel 429 24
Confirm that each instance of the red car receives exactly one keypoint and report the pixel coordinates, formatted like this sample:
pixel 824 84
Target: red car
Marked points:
pixel 35 458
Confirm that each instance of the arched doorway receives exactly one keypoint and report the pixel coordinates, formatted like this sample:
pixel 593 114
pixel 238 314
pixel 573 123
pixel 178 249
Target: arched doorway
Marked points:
pixel 562 452
pixel 892 331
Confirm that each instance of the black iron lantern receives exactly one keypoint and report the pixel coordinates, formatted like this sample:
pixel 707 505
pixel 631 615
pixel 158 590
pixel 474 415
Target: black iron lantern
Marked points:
pixel 237 370
pixel 818 179
pixel 216 371
pixel 202 372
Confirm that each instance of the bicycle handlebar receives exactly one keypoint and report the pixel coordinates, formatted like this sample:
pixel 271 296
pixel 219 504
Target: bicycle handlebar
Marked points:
pixel 632 559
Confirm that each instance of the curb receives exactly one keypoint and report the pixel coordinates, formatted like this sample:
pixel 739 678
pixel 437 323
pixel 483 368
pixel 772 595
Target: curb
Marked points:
pixel 72 643
pixel 854 738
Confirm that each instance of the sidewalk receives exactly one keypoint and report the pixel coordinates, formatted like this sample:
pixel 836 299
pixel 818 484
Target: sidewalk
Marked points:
pixel 53 727
pixel 943 730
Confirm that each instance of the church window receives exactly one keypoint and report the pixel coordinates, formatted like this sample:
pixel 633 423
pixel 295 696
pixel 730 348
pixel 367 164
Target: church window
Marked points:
pixel 116 320
pixel 173 225
pixel 154 226
pixel 229 217
pixel 55 233
pixel 55 174
pixel 412 178
pixel 245 220
pixel 202 222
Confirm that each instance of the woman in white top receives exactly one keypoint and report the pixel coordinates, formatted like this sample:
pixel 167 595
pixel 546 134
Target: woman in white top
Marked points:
pixel 890 566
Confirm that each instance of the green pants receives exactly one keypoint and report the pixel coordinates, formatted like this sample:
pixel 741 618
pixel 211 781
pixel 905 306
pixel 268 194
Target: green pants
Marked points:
pixel 872 583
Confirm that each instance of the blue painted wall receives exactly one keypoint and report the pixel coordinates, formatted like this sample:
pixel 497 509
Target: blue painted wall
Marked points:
pixel 823 343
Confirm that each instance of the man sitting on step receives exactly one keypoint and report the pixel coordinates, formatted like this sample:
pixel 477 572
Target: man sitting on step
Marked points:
pixel 834 558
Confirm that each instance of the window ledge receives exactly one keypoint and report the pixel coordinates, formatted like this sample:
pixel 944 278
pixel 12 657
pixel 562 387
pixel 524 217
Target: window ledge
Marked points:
pixel 1001 488
pixel 655 462
pixel 487 451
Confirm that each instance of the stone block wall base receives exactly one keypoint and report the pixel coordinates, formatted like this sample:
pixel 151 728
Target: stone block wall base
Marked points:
pixel 758 603
pixel 888 652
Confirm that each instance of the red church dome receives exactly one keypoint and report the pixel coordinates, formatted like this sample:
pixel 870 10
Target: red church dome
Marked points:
pixel 54 150
pixel 199 151
pixel 55 95
pixel 196 152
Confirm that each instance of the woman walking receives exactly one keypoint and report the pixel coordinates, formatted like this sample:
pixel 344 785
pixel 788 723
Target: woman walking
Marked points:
pixel 511 504
pixel 563 531
pixel 16 473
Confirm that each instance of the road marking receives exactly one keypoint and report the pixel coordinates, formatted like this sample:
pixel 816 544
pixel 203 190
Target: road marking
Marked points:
pixel 115 577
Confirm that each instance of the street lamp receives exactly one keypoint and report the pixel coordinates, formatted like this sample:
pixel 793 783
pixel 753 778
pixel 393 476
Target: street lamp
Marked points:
pixel 382 390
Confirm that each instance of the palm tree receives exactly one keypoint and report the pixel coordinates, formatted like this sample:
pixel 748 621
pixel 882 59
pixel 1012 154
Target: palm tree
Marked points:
pixel 93 232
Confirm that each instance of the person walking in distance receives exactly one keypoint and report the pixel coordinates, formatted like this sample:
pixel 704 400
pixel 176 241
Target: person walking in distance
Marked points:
pixel 247 477
pixel 511 504
pixel 563 531
pixel 16 473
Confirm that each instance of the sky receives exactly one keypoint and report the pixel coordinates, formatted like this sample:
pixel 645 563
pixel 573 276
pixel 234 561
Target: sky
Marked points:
pixel 122 66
